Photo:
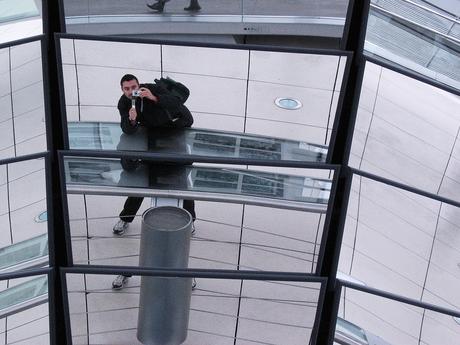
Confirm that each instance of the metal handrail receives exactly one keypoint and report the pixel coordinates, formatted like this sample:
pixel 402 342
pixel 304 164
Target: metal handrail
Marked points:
pixel 391 14
pixel 205 196
pixel 455 20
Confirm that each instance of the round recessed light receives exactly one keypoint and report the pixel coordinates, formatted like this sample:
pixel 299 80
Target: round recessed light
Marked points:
pixel 288 103
pixel 42 217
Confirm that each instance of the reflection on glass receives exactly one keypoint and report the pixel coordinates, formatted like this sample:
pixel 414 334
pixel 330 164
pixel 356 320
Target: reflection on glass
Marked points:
pixel 23 296
pixel 193 141
pixel 94 173
pixel 26 254
pixel 254 78
pixel 19 19
pixel 22 119
pixel 369 319
pixel 222 312
pixel 304 16
pixel 347 333
pixel 417 37
pixel 22 198
pixel 14 10
pixel 407 130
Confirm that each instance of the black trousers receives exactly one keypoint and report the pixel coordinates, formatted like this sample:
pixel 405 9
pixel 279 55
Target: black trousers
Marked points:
pixel 132 205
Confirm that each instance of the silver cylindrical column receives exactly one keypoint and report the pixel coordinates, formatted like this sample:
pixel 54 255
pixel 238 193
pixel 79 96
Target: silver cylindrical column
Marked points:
pixel 164 303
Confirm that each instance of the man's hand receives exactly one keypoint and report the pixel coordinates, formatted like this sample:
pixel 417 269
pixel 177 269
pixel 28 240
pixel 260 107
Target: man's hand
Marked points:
pixel 148 94
pixel 132 115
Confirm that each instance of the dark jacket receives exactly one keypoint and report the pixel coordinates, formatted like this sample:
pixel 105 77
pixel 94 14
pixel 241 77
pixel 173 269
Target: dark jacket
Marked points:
pixel 167 112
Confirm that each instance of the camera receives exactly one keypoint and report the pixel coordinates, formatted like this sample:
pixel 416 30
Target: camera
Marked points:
pixel 136 93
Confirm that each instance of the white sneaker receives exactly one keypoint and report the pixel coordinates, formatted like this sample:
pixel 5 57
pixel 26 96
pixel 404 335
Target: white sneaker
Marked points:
pixel 119 282
pixel 120 227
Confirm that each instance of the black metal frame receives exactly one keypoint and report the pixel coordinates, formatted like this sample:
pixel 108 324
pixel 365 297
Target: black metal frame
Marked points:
pixel 339 150
pixel 329 216
pixel 62 104
pixel 411 74
pixel 58 332
pixel 23 158
pixel 201 273
pixel 32 273
pixel 187 159
pixel 399 298
pixel 197 273
pixel 171 158
pixel 65 212
pixel 243 47
pixel 341 285
pixel 236 46
pixel 21 41
pixel 25 273
pixel 405 187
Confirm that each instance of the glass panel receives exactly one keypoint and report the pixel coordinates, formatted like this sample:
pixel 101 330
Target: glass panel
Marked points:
pixel 402 243
pixel 201 142
pixel 383 321
pixel 22 120
pixel 221 311
pixel 13 10
pixel 90 174
pixel 227 236
pixel 399 137
pixel 231 90
pixel 347 332
pixel 300 17
pixel 24 311
pixel 20 19
pixel 29 253
pixel 417 36
pixel 22 200
pixel 22 294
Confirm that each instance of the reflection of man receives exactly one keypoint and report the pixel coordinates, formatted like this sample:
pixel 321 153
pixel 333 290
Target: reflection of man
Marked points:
pixel 153 107
pixel 160 5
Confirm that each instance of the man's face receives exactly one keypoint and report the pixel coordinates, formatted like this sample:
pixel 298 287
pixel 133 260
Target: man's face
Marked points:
pixel 128 87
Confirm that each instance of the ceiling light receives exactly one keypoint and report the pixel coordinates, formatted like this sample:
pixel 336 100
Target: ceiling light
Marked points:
pixel 288 103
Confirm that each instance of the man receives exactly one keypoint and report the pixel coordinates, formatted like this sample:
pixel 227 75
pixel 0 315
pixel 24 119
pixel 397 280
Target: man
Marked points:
pixel 151 107
pixel 160 5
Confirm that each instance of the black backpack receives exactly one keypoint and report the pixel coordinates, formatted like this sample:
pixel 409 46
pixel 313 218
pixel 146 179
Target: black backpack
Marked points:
pixel 175 88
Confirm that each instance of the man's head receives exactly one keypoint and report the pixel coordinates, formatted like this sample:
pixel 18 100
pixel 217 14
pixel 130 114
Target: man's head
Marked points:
pixel 128 84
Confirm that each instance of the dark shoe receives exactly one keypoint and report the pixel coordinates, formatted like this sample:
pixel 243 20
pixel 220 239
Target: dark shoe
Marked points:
pixel 194 6
pixel 120 227
pixel 157 6
pixel 119 282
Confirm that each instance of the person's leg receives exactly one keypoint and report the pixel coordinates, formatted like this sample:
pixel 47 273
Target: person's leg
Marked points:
pixel 189 205
pixel 193 6
pixel 132 205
